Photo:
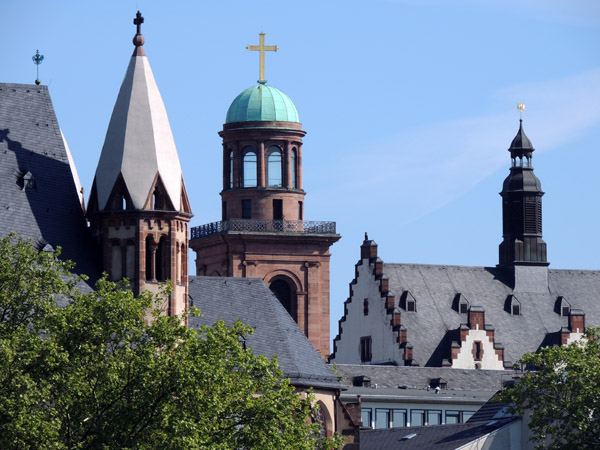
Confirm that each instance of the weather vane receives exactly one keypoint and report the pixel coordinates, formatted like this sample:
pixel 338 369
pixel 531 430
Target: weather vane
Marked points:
pixel 521 108
pixel 262 48
pixel 37 60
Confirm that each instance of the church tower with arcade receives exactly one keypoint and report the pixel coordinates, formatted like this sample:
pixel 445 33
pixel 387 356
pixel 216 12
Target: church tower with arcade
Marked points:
pixel 138 208
pixel 263 232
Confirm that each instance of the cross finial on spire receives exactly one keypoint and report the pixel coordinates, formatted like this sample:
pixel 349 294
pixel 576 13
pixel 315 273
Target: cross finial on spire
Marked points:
pixel 37 60
pixel 262 48
pixel 139 20
pixel 138 39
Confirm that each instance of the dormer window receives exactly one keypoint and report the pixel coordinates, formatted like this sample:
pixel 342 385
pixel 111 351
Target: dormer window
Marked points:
pixel 512 305
pixel 28 181
pixel 408 302
pixel 461 304
pixel 564 305
pixel 515 306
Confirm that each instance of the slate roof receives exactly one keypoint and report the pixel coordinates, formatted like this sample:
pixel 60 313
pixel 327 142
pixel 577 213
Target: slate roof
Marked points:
pixel 275 332
pixel 139 144
pixel 419 377
pixel 31 141
pixel 435 288
pixel 438 437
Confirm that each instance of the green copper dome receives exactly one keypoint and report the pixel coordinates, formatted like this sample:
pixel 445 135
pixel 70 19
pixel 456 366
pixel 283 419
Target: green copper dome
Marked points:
pixel 262 103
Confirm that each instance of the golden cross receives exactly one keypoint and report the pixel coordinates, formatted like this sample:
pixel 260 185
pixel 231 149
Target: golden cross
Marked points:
pixel 262 48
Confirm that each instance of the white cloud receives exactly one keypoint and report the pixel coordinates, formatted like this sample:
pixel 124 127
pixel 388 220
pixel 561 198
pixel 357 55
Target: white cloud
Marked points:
pixel 411 168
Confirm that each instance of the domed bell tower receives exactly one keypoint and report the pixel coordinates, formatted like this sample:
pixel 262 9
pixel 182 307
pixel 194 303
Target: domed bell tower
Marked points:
pixel 523 245
pixel 263 232
pixel 138 209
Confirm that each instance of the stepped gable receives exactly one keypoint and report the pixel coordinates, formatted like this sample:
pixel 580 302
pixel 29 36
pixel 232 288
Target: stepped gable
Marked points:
pixel 275 332
pixel 40 193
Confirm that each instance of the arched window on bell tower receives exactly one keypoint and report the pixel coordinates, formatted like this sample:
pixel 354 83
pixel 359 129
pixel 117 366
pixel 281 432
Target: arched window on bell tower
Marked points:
pixel 231 169
pixel 293 168
pixel 162 260
pixel 249 167
pixel 274 171
pixel 150 258
pixel 286 295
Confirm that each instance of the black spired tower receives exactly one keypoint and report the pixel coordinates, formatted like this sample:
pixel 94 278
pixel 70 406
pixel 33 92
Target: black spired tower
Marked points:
pixel 522 208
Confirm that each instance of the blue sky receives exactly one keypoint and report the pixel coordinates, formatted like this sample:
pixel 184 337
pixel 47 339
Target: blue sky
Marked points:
pixel 409 106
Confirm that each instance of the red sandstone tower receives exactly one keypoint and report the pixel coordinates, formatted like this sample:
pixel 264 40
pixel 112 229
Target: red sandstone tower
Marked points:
pixel 138 209
pixel 263 233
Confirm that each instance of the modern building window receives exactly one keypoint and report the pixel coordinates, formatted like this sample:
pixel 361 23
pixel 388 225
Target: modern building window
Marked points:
pixel 300 211
pixel 382 418
pixel 249 167
pixel 434 417
pixel 274 166
pixel 365 348
pixel 366 416
pixel 417 417
pixel 398 418
pixel 246 209
pixel 366 307
pixel 293 169
pixel 466 415
pixel 452 417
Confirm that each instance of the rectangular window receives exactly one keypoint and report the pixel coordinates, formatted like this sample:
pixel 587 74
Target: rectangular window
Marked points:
pixel 366 307
pixel 224 211
pixel 515 309
pixel 466 415
pixel 246 209
pixel 382 418
pixel 365 416
pixel 565 310
pixel 300 211
pixel 463 308
pixel 417 417
pixel 398 418
pixel 410 305
pixel 365 348
pixel 277 209
pixel 477 350
pixel 434 417
pixel 452 417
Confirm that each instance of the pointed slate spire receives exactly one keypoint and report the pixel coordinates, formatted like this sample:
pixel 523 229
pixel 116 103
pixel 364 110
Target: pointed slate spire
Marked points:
pixel 139 145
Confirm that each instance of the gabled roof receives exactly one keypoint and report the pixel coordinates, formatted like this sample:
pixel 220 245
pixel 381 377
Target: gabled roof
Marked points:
pixel 275 332
pixel 438 437
pixel 32 146
pixel 435 287
pixel 139 143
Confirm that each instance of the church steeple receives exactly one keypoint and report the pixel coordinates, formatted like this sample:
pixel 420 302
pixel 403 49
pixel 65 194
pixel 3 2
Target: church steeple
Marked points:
pixel 138 208
pixel 522 208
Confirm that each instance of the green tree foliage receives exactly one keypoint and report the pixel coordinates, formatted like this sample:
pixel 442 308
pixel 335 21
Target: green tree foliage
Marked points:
pixel 95 374
pixel 562 394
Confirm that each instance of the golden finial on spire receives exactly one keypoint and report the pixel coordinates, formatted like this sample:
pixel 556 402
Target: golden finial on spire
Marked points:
pixel 521 108
pixel 262 48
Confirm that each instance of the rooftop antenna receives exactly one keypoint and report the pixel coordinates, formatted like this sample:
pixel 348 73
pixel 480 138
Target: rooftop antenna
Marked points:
pixel 521 108
pixel 37 60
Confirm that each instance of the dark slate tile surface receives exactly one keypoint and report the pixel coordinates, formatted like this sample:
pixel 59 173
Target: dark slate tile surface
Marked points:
pixel 434 288
pixel 275 332
pixel 419 377
pixel 31 141
pixel 439 437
